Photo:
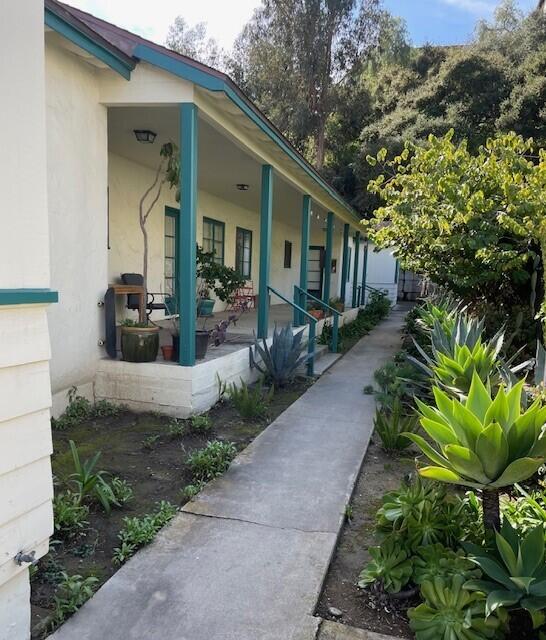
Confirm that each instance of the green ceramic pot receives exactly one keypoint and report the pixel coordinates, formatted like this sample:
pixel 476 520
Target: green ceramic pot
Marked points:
pixel 139 344
pixel 205 307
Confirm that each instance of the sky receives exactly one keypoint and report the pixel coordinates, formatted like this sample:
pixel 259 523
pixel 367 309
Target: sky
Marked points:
pixel 434 21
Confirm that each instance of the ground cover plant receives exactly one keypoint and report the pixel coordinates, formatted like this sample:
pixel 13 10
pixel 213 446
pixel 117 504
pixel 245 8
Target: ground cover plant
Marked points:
pixel 457 549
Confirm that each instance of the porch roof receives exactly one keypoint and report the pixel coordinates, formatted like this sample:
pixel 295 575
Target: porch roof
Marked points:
pixel 123 50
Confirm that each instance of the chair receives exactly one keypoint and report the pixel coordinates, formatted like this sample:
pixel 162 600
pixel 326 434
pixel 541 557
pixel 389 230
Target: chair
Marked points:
pixel 244 298
pixel 133 301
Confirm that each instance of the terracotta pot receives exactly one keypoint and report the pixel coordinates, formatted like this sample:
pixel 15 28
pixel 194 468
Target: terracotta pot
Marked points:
pixel 167 350
pixel 316 313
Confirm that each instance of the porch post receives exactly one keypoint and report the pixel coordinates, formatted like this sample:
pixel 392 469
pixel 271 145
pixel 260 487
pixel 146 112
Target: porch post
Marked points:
pixel 187 237
pixel 328 257
pixel 304 256
pixel 344 265
pixel 355 271
pixel 266 212
pixel 364 270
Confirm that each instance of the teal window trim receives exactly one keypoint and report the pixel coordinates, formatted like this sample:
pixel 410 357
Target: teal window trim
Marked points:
pixel 100 50
pixel 215 225
pixel 214 82
pixel 28 296
pixel 239 252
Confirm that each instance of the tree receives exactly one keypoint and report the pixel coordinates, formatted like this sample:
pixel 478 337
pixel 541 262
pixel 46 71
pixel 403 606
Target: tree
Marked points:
pixel 193 42
pixel 292 55
pixel 471 221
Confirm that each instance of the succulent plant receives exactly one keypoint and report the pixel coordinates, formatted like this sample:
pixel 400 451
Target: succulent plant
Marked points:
pixel 391 423
pixel 438 561
pixel 449 612
pixel 515 572
pixel 390 566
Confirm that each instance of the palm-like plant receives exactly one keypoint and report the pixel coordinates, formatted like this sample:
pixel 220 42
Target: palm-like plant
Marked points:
pixel 482 442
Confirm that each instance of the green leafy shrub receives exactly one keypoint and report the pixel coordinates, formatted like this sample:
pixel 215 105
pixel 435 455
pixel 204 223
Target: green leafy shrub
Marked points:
pixel 211 461
pixel 191 490
pixel 436 561
pixel 69 514
pixel 391 423
pixel 91 484
pixel 280 361
pixel 201 424
pixel 176 428
pixel 122 492
pixel 138 532
pixel 515 572
pixel 80 409
pixel 250 401
pixel 73 591
pixel 390 566
pixel 450 612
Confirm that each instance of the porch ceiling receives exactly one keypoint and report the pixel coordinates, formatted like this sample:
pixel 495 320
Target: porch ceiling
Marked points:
pixel 222 163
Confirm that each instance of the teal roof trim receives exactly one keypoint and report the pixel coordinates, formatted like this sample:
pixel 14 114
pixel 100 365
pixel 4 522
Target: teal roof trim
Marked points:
pixel 213 82
pixel 28 296
pixel 89 44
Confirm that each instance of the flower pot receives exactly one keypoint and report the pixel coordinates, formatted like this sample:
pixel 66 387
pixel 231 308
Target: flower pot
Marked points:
pixel 139 344
pixel 316 313
pixel 205 307
pixel 167 351
pixel 201 344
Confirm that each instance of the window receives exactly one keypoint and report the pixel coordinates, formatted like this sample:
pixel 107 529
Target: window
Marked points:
pixel 170 254
pixel 287 254
pixel 213 238
pixel 349 252
pixel 243 252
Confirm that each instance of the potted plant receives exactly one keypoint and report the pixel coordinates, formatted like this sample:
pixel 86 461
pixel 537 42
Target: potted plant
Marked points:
pixel 337 303
pixel 205 304
pixel 315 311
pixel 140 341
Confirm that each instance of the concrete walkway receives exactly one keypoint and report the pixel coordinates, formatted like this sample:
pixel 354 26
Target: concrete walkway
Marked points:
pixel 247 558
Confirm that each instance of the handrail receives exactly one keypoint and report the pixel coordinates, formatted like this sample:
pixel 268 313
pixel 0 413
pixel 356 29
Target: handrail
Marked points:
pixel 312 330
pixel 298 294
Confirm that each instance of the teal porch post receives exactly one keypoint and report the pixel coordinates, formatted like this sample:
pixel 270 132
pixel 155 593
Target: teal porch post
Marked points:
pixel 304 256
pixel 344 265
pixel 364 271
pixel 266 213
pixel 328 257
pixel 187 237
pixel 355 271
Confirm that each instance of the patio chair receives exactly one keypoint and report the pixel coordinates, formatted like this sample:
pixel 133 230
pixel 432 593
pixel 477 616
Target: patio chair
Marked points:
pixel 244 298
pixel 151 305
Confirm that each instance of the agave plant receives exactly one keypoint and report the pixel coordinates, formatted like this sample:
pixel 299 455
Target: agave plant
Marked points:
pixel 449 612
pixel 482 442
pixel 280 361
pixel 437 561
pixel 390 566
pixel 516 572
pixel 391 423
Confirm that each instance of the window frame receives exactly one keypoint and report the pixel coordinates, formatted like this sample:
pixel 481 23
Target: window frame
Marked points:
pixel 288 245
pixel 215 223
pixel 246 233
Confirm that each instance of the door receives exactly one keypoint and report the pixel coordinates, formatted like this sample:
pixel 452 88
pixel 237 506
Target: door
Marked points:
pixel 315 268
pixel 170 285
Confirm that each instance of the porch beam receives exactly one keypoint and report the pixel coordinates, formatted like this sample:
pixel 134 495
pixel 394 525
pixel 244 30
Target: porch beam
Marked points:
pixel 344 264
pixel 364 270
pixel 304 255
pixel 355 269
pixel 328 257
pixel 187 237
pixel 266 214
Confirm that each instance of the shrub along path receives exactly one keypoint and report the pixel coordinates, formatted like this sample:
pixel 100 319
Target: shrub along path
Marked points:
pixel 246 559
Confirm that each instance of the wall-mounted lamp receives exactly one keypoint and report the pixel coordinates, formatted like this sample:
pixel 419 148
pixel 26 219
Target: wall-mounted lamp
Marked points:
pixel 145 135
pixel 242 186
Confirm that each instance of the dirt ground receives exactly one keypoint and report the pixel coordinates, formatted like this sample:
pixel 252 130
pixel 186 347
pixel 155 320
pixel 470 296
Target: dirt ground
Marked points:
pixel 139 449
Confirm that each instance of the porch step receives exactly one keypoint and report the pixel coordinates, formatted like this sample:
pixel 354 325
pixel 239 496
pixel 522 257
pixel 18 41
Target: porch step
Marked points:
pixel 325 362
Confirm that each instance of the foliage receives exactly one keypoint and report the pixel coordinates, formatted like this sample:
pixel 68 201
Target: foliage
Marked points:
pixel 391 423
pixel 211 461
pixel 73 591
pixel 138 532
pixel 220 278
pixel 122 492
pixel 397 381
pixel 80 409
pixel 176 428
pixel 194 43
pixel 250 401
pixel 448 611
pixel 201 423
pixel 527 510
pixel 69 515
pixel 436 561
pixel 391 566
pixel 191 490
pixel 280 361
pixel 91 484
pixel 515 572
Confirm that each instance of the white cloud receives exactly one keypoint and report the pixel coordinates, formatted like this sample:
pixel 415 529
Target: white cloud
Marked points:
pixel 152 19
pixel 477 7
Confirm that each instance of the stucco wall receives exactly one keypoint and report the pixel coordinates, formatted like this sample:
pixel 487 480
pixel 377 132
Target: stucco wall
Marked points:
pixel 77 198
pixel 381 271
pixel 25 437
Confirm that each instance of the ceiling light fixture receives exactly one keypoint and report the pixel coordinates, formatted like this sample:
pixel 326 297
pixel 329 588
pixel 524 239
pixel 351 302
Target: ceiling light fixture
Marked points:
pixel 145 135
pixel 242 186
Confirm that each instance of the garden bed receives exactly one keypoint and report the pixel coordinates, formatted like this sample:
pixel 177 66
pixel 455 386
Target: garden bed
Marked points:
pixel 149 451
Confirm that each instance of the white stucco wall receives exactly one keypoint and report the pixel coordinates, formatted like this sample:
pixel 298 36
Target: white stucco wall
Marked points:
pixel 381 271
pixel 25 437
pixel 77 196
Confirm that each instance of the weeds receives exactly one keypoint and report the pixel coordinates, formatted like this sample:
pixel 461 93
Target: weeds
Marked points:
pixel 211 461
pixel 72 593
pixel 69 515
pixel 80 409
pixel 149 442
pixel 90 483
pixel 191 490
pixel 250 402
pixel 201 424
pixel 176 428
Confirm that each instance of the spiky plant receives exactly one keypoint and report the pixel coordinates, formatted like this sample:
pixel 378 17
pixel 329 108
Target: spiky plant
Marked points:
pixel 391 422
pixel 437 561
pixel 391 567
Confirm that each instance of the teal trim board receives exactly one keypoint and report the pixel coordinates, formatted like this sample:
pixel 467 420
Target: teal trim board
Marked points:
pixel 328 257
pixel 87 43
pixel 187 237
pixel 345 265
pixel 28 296
pixel 266 213
pixel 355 271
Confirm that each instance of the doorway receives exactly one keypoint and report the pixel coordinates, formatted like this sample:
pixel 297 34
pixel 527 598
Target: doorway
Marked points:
pixel 315 271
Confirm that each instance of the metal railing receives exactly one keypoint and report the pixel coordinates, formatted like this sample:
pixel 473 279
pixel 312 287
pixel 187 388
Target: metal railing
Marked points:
pixel 300 301
pixel 312 329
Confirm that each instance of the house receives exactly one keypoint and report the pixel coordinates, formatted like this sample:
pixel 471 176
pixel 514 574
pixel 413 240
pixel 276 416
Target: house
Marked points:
pixel 241 183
